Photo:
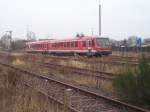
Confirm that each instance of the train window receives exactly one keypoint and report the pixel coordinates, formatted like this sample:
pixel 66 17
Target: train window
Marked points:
pixel 68 44
pixel 102 42
pixel 84 43
pixel 65 44
pixel 76 44
pixel 61 44
pixel 52 45
pixel 57 44
pixel 72 44
pixel 49 45
pixel 91 43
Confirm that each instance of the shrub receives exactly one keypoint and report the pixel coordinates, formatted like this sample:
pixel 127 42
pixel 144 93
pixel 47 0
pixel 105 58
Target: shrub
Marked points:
pixel 134 85
pixel 125 83
pixel 143 79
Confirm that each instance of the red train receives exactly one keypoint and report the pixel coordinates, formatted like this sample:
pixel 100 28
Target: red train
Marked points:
pixel 88 45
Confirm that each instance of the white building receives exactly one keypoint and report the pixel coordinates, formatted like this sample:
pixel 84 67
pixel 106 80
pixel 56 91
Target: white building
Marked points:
pixel 6 41
pixel 132 41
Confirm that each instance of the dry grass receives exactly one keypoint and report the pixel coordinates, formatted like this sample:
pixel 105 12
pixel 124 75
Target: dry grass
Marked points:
pixel 16 97
pixel 66 74
pixel 18 62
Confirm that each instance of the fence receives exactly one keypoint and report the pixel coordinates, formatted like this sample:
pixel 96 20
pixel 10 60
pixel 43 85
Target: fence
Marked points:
pixel 132 51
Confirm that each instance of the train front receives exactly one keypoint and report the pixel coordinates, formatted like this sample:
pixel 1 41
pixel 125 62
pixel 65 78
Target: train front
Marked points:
pixel 102 46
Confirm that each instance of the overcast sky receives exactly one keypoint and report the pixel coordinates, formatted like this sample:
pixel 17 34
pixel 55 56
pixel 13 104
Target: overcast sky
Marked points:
pixel 64 18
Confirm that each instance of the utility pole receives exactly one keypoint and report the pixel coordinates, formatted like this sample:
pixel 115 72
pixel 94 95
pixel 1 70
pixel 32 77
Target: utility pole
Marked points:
pixel 92 31
pixel 99 18
pixel 27 29
pixel 9 40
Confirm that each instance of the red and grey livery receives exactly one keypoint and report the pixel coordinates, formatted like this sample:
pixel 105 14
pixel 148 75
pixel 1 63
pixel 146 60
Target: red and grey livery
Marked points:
pixel 88 45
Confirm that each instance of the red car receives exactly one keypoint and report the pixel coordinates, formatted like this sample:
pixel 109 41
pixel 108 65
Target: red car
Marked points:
pixel 88 45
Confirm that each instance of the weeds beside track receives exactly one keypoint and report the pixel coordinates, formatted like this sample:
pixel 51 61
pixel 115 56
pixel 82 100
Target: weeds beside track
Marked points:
pixel 93 102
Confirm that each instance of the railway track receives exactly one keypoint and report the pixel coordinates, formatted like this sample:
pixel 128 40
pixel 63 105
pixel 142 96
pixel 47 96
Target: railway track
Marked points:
pixel 105 60
pixel 82 71
pixel 75 97
pixel 70 109
pixel 79 71
pixel 87 60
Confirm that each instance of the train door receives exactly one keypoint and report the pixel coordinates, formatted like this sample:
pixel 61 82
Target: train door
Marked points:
pixel 84 47
pixel 84 44
pixel 90 47
pixel 47 46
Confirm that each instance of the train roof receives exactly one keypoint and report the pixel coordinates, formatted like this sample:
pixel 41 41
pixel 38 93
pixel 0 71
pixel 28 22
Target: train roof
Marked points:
pixel 64 40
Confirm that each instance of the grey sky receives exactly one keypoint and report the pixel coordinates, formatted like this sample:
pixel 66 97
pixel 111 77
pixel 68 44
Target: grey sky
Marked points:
pixel 64 18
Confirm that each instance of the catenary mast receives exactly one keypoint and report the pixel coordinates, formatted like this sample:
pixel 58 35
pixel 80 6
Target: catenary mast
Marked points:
pixel 99 18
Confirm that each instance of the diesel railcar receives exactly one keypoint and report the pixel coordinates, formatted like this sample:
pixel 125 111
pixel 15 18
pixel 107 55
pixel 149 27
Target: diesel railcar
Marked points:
pixel 88 45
